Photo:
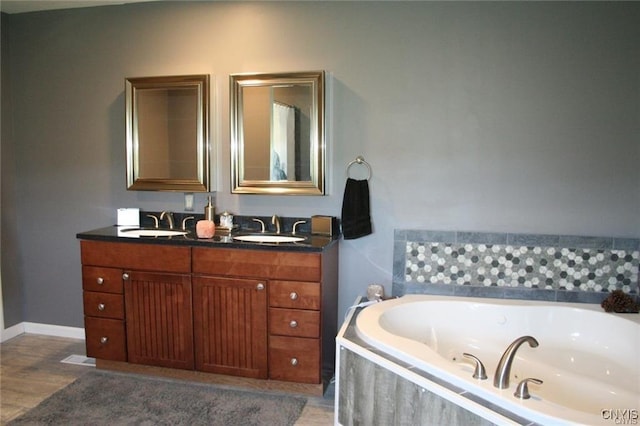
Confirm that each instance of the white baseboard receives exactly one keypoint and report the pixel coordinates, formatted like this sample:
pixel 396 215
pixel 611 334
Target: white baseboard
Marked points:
pixel 44 329
pixel 11 332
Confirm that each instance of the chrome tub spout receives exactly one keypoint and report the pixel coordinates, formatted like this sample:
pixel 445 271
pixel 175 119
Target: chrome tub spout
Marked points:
pixel 503 370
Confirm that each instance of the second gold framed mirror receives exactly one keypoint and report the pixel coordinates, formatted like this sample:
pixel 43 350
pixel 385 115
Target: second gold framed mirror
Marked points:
pixel 277 133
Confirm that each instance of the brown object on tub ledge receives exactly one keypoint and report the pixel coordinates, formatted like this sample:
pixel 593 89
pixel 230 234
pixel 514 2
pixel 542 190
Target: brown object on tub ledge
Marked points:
pixel 620 302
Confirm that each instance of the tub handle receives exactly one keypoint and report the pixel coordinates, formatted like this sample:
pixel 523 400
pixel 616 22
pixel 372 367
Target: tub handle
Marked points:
pixel 479 372
pixel 522 390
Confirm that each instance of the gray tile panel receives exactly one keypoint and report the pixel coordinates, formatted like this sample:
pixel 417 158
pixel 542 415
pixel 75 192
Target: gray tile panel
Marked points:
pixel 515 266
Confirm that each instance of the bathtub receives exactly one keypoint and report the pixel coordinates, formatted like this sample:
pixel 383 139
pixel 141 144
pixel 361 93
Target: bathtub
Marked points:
pixel 588 360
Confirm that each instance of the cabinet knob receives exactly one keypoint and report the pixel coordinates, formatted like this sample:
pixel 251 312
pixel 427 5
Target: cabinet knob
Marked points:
pixel 104 339
pixel 293 324
pixel 100 280
pixel 260 286
pixel 101 306
pixel 293 295
pixel 125 276
pixel 294 361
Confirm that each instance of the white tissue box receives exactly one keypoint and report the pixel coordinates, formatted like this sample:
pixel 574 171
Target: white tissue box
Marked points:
pixel 128 217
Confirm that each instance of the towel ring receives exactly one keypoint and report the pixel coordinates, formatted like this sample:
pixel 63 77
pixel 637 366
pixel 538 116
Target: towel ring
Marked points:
pixel 359 160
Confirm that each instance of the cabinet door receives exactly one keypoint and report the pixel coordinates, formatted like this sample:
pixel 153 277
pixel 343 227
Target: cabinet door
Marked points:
pixel 159 319
pixel 230 326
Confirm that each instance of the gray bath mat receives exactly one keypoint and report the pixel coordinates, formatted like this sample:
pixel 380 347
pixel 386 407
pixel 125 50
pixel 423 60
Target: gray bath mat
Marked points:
pixel 106 398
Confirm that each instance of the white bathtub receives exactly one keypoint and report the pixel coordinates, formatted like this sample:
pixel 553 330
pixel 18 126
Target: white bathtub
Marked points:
pixel 588 360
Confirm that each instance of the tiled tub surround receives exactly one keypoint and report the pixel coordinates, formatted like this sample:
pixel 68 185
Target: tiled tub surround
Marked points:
pixel 519 266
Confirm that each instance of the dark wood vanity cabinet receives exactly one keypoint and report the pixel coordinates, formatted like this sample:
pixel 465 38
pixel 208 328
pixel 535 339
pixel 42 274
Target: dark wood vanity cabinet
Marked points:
pixel 262 314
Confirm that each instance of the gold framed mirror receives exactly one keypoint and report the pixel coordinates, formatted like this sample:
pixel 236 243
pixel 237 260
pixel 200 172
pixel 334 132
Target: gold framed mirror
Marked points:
pixel 167 121
pixel 277 133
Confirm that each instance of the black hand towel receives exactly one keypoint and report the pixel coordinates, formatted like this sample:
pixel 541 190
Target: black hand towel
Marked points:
pixel 356 219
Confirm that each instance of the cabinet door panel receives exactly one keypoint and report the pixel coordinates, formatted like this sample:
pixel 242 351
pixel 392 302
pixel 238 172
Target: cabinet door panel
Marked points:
pixel 230 326
pixel 159 319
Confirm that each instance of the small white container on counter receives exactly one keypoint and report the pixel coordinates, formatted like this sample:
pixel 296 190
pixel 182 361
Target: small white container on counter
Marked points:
pixel 128 217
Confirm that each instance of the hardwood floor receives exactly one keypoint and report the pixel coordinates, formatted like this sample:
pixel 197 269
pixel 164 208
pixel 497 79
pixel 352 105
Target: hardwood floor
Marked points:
pixel 30 371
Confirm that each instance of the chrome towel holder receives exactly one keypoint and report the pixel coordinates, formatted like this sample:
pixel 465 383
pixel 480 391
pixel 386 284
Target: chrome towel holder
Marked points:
pixel 359 160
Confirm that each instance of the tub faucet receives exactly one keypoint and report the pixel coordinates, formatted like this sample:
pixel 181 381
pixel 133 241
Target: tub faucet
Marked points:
pixel 169 216
pixel 503 370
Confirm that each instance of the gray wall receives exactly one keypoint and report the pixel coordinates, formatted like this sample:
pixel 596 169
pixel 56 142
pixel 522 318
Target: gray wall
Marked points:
pixel 506 117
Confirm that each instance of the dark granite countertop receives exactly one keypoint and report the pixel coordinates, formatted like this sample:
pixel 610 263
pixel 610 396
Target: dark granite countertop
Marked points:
pixel 311 243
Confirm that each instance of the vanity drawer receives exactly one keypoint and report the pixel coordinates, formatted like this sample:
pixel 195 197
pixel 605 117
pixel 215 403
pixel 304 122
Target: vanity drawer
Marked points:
pixel 294 294
pixel 104 305
pixel 105 338
pixel 142 257
pixel 294 359
pixel 294 322
pixel 106 280
pixel 278 265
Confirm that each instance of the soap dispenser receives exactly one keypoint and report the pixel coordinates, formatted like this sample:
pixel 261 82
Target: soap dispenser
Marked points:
pixel 209 211
pixel 206 228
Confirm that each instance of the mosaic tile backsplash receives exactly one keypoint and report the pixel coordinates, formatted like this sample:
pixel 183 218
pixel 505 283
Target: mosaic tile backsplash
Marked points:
pixel 523 266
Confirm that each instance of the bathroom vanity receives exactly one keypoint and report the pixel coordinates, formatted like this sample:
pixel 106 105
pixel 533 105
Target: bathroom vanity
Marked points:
pixel 258 315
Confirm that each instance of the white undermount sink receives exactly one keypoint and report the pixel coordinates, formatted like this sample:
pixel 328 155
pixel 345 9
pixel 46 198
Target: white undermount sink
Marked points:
pixel 141 232
pixel 268 238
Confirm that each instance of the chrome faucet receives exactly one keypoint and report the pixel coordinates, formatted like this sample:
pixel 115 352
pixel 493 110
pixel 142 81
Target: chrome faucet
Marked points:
pixel 262 229
pixel 169 216
pixel 275 220
pixel 503 370
pixel 184 222
pixel 155 220
pixel 295 225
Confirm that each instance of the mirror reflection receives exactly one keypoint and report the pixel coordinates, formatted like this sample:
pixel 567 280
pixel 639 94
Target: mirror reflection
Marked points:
pixel 277 133
pixel 167 133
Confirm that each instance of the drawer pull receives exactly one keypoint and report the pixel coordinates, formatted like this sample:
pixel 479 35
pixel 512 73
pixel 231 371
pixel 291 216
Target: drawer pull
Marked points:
pixel 101 306
pixel 260 286
pixel 104 339
pixel 294 361
pixel 293 324
pixel 125 276
pixel 100 280
pixel 293 295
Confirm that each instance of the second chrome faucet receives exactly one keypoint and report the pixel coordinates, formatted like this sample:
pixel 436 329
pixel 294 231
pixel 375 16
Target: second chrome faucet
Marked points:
pixel 169 217
pixel 275 220
pixel 503 370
